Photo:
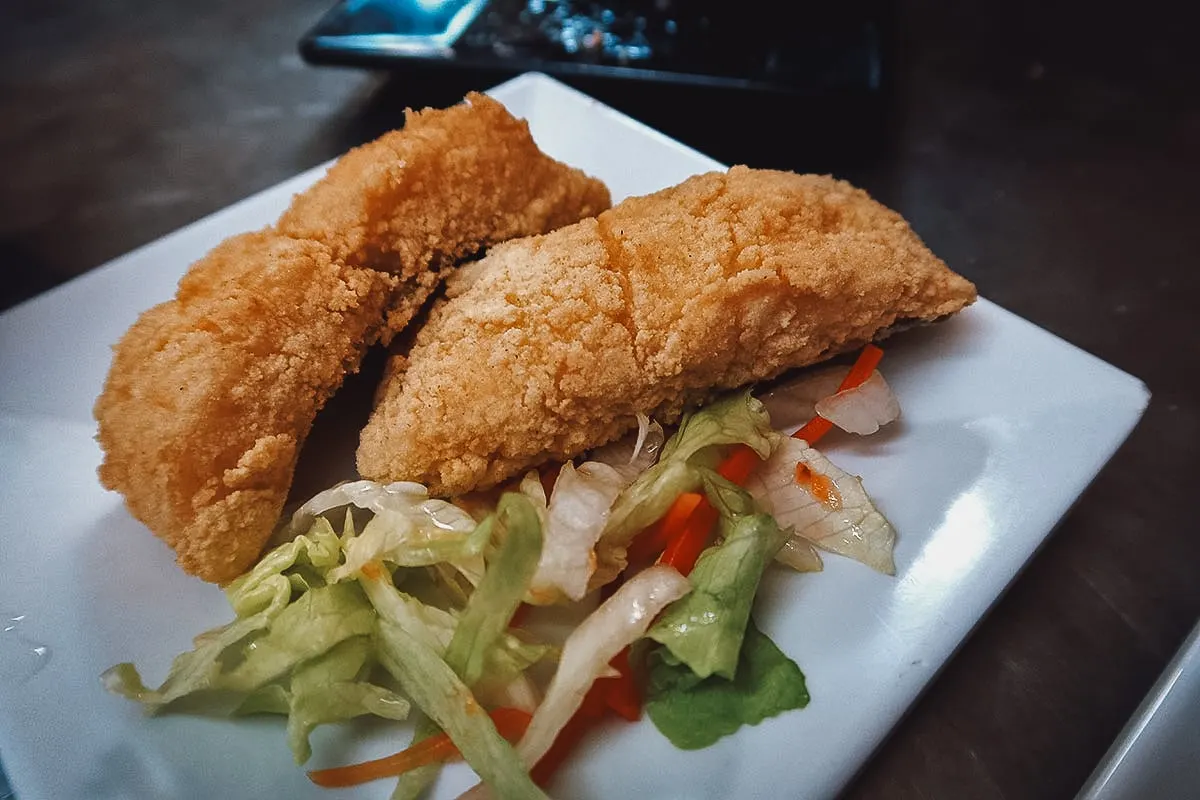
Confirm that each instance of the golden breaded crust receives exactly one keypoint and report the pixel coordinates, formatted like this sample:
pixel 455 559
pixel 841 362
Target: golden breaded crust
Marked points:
pixel 436 191
pixel 211 394
pixel 448 184
pixel 557 341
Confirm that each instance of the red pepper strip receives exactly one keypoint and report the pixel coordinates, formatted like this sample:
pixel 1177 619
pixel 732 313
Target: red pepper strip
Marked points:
pixel 591 712
pixel 866 363
pixel 622 694
pixel 510 722
pixel 650 542
pixel 683 551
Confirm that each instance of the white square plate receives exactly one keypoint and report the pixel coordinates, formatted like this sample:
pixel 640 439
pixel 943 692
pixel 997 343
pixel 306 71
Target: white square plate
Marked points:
pixel 1004 425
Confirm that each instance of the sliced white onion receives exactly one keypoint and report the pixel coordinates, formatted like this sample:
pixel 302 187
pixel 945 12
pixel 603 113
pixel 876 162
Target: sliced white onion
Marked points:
pixel 863 409
pixel 578 509
pixel 402 497
pixel 792 402
pixel 634 454
pixel 519 693
pixel 799 554
pixel 618 622
pixel 850 526
pixel 575 518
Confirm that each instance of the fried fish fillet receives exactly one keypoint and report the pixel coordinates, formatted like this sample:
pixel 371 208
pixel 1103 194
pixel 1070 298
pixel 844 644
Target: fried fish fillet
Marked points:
pixel 560 340
pixel 210 395
pixel 444 186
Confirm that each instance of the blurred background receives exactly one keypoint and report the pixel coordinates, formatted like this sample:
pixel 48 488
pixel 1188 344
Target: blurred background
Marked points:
pixel 123 120
pixel 1047 150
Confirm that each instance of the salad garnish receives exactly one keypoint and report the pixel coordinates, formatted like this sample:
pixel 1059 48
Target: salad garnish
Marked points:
pixel 379 600
pixel 813 430
pixel 695 712
pixel 437 749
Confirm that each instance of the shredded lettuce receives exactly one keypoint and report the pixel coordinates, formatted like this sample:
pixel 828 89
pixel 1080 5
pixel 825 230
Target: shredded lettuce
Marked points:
pixel 296 565
pixel 738 419
pixel 297 655
pixel 408 529
pixel 695 712
pixel 702 435
pixel 304 644
pixel 441 694
pixel 309 626
pixel 480 638
pixel 714 671
pixel 577 511
pixel 329 688
pixel 705 629
pixel 424 593
pixel 397 539
pixel 619 621
pixel 257 597
pixel 432 625
pixel 485 619
pixel 197 670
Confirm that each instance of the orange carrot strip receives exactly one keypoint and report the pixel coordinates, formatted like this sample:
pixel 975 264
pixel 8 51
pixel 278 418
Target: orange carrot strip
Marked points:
pixel 435 749
pixel 864 365
pixel 650 542
pixel 623 695
pixel 738 465
pixel 510 722
pixel 688 523
pixel 683 551
pixel 813 430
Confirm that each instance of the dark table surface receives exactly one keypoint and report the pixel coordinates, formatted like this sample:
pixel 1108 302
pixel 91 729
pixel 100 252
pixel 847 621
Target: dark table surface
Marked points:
pixel 1048 151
